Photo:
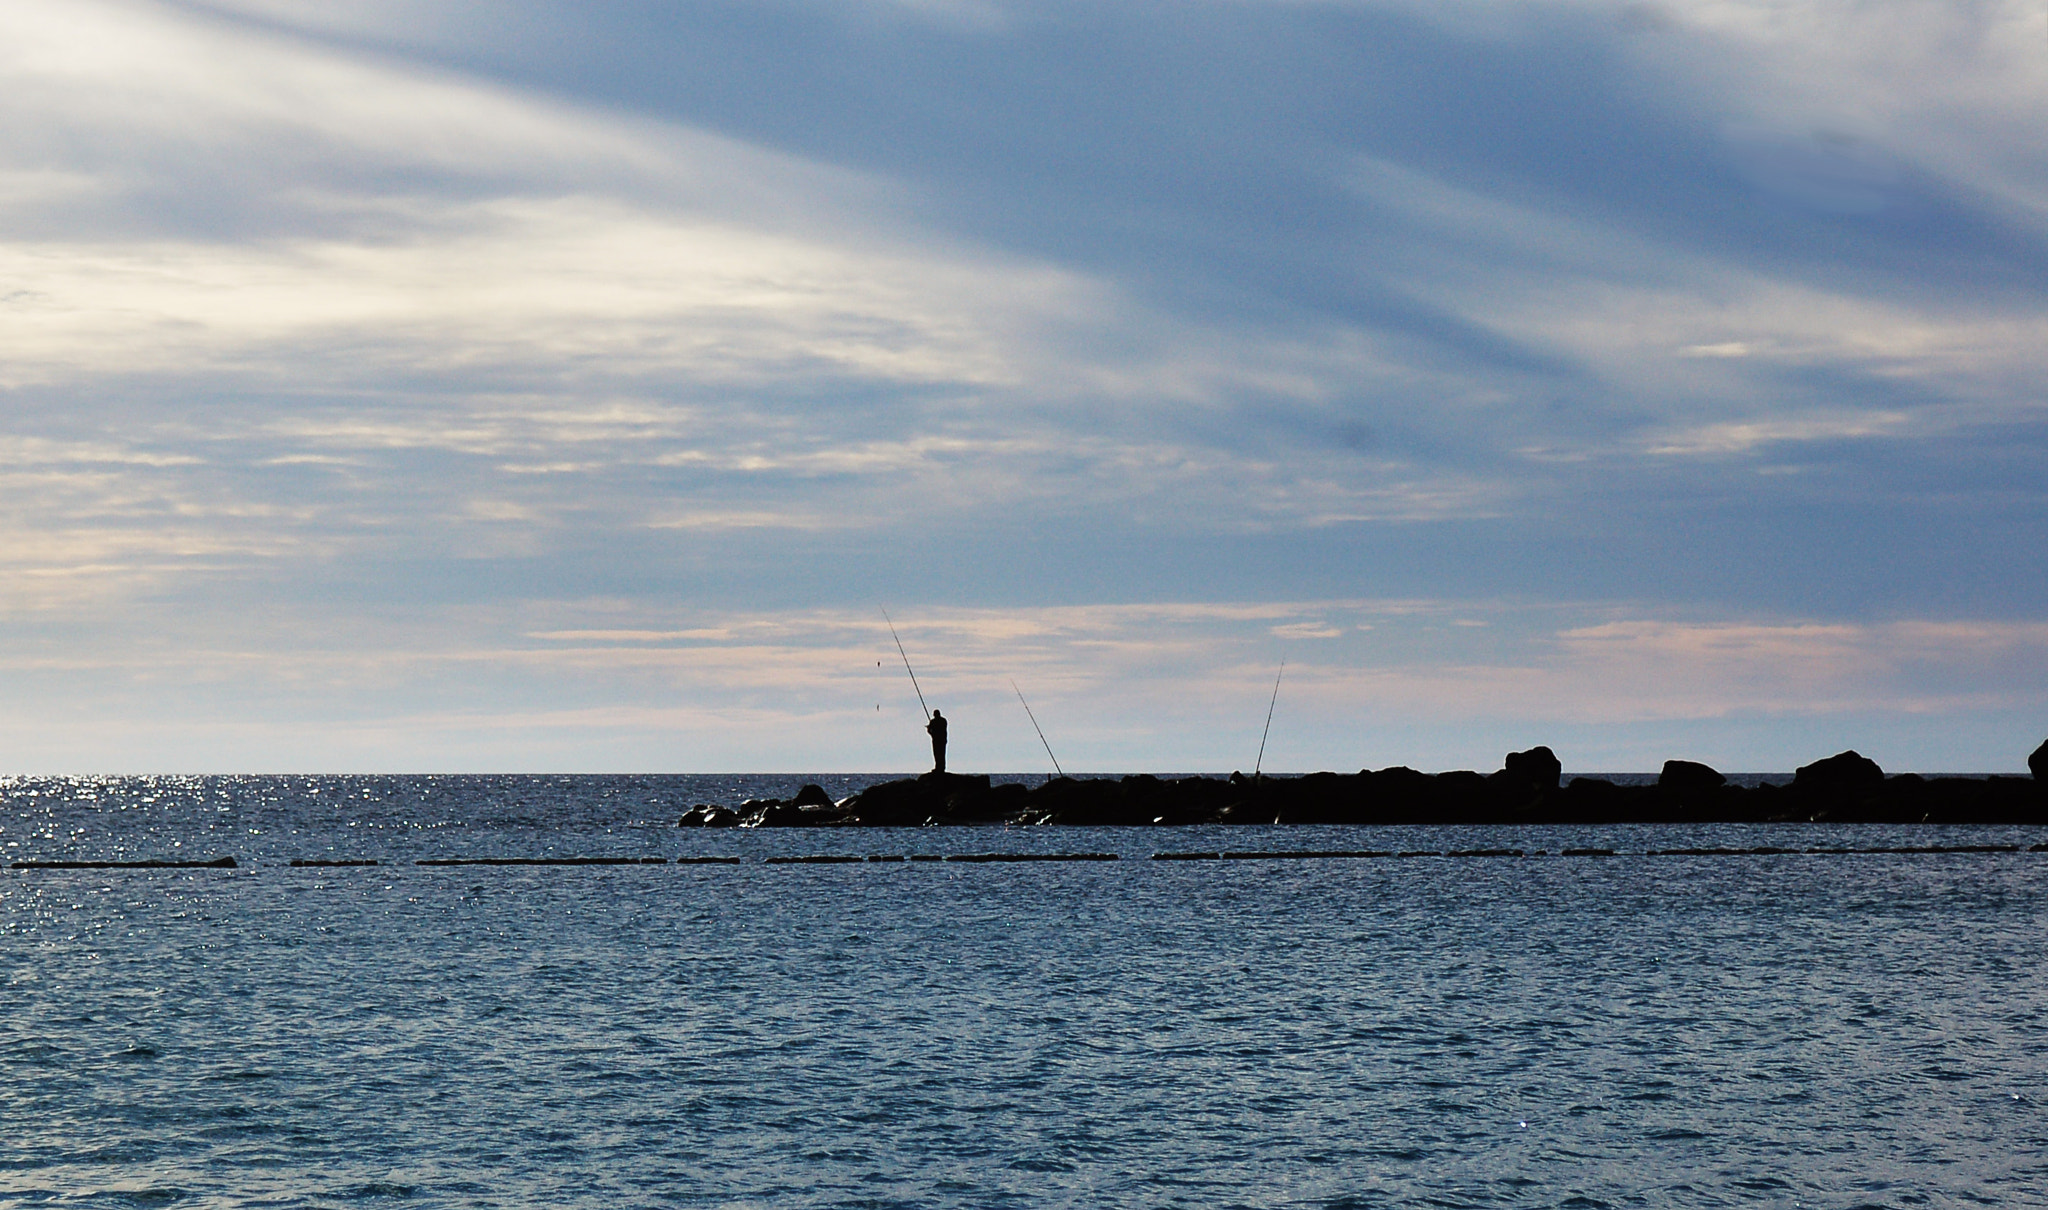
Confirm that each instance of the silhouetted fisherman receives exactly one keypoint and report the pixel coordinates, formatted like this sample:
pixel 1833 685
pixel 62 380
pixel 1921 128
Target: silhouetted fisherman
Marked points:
pixel 937 729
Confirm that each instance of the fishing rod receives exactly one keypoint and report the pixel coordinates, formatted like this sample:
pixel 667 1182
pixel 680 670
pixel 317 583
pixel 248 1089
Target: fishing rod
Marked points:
pixel 1269 719
pixel 1035 727
pixel 913 673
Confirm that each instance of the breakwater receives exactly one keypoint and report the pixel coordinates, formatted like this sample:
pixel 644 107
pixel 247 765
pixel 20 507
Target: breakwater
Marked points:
pixel 1529 788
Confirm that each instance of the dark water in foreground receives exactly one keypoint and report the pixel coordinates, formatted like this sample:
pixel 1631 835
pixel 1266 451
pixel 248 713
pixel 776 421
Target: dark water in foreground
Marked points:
pixel 1842 1031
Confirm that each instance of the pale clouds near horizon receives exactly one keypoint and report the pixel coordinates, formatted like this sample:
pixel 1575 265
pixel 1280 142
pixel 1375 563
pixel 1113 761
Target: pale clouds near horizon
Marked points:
pixel 350 356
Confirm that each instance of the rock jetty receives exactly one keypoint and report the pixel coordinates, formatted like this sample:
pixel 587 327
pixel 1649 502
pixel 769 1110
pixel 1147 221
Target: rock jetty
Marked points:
pixel 1528 789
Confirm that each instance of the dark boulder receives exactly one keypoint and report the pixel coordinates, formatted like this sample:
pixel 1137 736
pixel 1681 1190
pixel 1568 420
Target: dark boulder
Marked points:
pixel 1092 802
pixel 707 815
pixel 1593 800
pixel 2038 762
pixel 1339 798
pixel 972 800
pixel 1843 773
pixel 1196 799
pixel 812 795
pixel 1459 796
pixel 1009 801
pixel 1538 768
pixel 893 804
pixel 1250 811
pixel 1690 776
pixel 764 812
pixel 931 798
pixel 1399 794
pixel 1149 799
pixel 1845 788
pixel 775 813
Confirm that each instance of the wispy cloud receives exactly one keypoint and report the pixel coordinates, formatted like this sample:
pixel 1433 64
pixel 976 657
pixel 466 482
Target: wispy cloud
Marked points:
pixel 735 319
pixel 1170 685
pixel 1741 437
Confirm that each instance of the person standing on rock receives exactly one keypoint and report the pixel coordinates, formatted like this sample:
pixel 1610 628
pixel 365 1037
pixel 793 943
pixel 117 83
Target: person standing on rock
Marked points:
pixel 937 729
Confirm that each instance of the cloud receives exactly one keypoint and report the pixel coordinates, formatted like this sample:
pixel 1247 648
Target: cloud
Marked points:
pixel 449 312
pixel 533 287
pixel 1306 630
pixel 1166 686
pixel 1733 438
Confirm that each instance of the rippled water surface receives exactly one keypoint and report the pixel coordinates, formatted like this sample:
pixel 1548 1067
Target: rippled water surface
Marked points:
pixel 1861 1030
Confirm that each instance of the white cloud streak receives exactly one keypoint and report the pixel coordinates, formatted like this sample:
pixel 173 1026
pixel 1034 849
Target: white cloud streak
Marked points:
pixel 289 298
pixel 1159 686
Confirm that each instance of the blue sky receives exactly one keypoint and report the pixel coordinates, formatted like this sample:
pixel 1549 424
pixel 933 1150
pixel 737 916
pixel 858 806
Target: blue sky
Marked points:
pixel 499 385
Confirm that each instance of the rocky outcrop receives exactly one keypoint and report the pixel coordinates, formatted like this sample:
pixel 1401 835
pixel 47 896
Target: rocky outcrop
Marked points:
pixel 2038 762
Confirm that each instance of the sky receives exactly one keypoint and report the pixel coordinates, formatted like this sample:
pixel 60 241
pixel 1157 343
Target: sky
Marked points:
pixel 503 385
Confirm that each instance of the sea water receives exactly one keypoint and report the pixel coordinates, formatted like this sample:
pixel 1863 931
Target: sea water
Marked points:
pixel 1791 1030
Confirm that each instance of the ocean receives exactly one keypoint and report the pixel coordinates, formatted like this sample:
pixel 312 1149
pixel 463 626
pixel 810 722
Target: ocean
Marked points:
pixel 1847 1030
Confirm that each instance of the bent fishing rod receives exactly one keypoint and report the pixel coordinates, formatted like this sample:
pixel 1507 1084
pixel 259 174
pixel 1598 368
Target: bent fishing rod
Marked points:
pixel 913 672
pixel 1035 727
pixel 1269 720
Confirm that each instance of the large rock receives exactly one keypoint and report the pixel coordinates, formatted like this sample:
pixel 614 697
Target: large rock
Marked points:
pixel 1539 767
pixel 2038 762
pixel 1319 798
pixel 1461 796
pixel 812 795
pixel 930 798
pixel 1087 803
pixel 1844 772
pixel 775 813
pixel 1399 784
pixel 1690 777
